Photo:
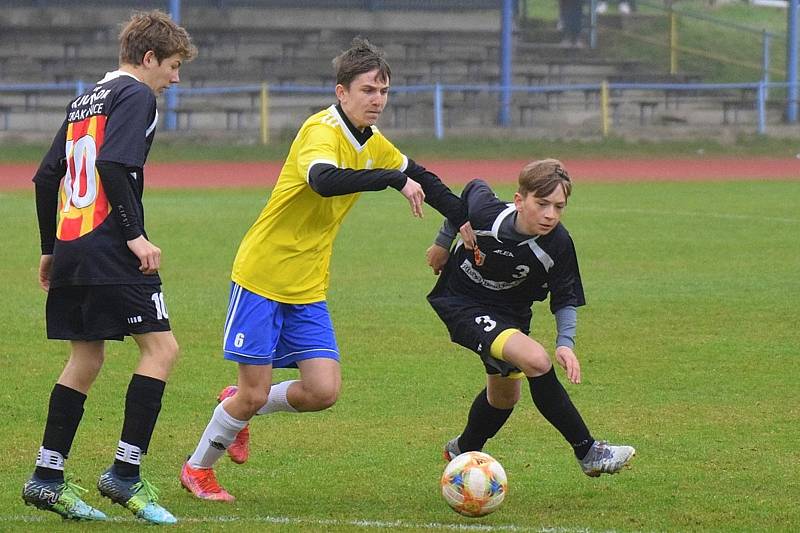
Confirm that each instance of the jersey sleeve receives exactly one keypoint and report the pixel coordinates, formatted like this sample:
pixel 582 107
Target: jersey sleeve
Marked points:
pixel 566 288
pixel 319 146
pixel 477 196
pixel 54 164
pixel 437 194
pixel 388 156
pixel 130 117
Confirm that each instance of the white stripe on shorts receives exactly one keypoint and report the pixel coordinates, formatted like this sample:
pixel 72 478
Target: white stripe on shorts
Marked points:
pixel 232 306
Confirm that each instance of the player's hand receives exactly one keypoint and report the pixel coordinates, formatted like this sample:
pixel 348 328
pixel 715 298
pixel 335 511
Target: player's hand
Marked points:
pixel 415 195
pixel 45 266
pixel 468 236
pixel 437 258
pixel 569 362
pixel 149 255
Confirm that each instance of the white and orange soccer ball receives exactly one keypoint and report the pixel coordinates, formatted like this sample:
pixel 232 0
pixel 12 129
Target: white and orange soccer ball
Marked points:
pixel 474 484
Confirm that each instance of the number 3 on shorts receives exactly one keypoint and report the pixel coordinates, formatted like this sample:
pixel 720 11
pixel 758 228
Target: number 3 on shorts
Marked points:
pixel 161 308
pixel 485 319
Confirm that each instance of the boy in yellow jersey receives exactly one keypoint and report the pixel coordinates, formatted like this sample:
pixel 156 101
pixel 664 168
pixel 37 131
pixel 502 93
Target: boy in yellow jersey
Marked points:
pixel 277 315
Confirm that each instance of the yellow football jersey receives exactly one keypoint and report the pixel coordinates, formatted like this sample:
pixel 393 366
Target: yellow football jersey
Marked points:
pixel 285 255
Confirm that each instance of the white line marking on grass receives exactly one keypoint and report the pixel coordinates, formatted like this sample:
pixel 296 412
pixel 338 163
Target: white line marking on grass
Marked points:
pixel 725 216
pixel 367 524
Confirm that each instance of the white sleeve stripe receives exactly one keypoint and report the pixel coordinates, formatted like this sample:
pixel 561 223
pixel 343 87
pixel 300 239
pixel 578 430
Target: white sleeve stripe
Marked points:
pixel 152 126
pixel 502 216
pixel 541 255
pixel 319 162
pixel 404 166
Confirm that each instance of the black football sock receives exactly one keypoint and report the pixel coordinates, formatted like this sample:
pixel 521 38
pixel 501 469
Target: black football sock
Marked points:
pixel 142 405
pixel 483 423
pixel 553 402
pixel 63 417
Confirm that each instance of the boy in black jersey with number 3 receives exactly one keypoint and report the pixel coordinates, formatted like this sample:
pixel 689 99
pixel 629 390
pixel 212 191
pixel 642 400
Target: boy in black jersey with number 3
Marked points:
pixel 100 270
pixel 484 297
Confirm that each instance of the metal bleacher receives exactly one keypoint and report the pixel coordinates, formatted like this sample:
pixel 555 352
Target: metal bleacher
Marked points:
pixel 289 47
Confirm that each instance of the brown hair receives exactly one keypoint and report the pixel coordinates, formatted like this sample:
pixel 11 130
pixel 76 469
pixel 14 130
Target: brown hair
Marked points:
pixel 542 177
pixel 361 57
pixel 153 30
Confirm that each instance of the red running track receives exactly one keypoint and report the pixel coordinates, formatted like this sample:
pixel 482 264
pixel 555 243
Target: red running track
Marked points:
pixel 264 174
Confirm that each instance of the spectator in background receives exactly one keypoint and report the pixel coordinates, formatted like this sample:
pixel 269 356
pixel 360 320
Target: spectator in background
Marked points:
pixel 624 7
pixel 571 18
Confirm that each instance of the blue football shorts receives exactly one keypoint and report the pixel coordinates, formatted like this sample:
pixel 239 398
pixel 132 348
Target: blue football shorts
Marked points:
pixel 260 331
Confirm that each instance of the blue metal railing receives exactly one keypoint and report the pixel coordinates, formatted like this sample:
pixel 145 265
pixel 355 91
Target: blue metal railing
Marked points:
pixel 439 92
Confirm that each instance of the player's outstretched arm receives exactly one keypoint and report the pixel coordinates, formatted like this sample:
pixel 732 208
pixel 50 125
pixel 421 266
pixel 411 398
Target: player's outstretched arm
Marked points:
pixel 327 180
pixel 440 197
pixel 415 196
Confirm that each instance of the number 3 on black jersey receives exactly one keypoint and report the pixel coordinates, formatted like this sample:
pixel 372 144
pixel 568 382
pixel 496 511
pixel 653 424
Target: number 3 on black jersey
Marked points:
pixel 486 321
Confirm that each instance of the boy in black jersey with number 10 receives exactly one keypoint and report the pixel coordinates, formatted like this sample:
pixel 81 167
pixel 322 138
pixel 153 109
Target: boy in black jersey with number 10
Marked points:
pixel 100 270
pixel 484 297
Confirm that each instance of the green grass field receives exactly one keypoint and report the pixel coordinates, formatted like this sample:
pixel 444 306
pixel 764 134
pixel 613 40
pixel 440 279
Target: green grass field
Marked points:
pixel 689 348
pixel 172 149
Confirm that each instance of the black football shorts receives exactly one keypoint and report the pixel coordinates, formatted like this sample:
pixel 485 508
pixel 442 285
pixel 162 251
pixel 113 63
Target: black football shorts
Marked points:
pixel 105 312
pixel 476 326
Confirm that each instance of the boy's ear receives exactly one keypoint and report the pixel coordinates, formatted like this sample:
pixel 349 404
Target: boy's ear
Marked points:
pixel 149 58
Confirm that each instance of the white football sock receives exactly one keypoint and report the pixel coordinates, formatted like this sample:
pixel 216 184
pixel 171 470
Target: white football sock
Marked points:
pixel 219 434
pixel 277 399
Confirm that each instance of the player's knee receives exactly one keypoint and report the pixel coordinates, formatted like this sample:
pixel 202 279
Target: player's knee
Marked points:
pixel 167 351
pixel 171 352
pixel 324 397
pixel 503 399
pixel 89 366
pixel 251 399
pixel 536 363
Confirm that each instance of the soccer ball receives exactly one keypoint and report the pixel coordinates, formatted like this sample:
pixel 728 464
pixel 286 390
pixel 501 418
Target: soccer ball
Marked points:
pixel 474 484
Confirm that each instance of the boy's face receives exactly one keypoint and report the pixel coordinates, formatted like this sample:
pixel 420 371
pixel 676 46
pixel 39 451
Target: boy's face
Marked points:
pixel 159 76
pixel 538 216
pixel 365 99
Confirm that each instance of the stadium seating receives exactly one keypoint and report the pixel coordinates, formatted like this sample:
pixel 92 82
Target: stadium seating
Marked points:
pixel 294 46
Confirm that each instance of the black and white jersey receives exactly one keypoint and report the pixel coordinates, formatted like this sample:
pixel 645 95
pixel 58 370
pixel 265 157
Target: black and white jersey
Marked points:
pixel 512 270
pixel 113 122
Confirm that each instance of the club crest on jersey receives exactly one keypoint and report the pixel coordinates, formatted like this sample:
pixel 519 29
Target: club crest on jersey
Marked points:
pixel 479 256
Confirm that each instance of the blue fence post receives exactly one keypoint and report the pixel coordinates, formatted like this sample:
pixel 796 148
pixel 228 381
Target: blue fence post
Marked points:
pixel 171 118
pixel 593 24
pixel 791 63
pixel 762 107
pixel 437 111
pixel 506 30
